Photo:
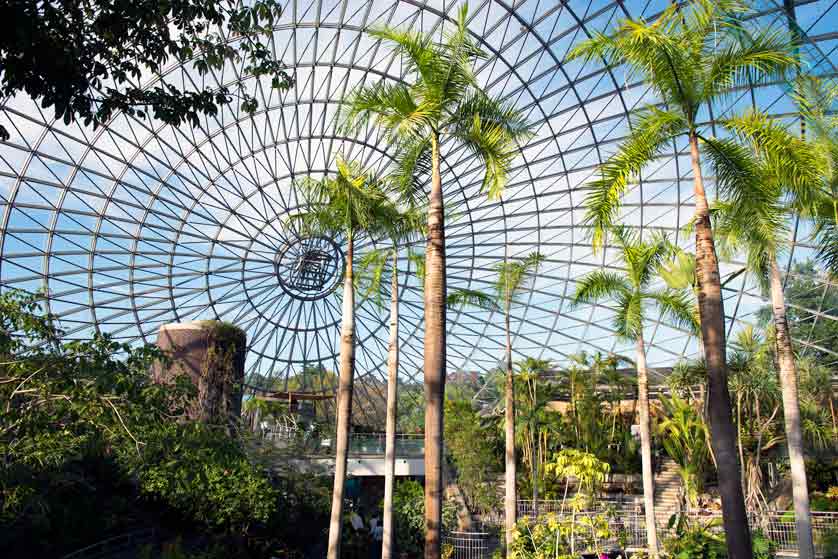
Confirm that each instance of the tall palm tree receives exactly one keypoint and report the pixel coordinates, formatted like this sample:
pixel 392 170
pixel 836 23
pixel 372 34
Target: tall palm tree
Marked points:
pixel 634 295
pixel 442 102
pixel 756 221
pixel 349 203
pixel 512 277
pixel 401 226
pixel 691 57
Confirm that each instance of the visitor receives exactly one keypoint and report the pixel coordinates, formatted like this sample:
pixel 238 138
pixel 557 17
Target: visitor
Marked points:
pixel 376 537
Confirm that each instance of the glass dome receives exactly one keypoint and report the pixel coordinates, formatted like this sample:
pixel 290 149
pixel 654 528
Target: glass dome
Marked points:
pixel 137 223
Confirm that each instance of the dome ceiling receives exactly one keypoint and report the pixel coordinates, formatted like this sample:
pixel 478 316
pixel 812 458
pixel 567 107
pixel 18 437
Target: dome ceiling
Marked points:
pixel 137 223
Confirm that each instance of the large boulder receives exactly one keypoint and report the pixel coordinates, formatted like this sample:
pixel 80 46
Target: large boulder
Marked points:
pixel 211 354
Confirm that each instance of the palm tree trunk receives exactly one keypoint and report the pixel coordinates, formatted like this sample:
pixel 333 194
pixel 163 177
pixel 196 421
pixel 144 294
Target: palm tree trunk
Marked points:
pixel 392 388
pixel 791 413
pixel 646 449
pixel 434 358
pixel 511 501
pixel 711 312
pixel 347 370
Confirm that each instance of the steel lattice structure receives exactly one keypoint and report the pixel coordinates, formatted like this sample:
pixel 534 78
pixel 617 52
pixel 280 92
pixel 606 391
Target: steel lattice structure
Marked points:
pixel 137 223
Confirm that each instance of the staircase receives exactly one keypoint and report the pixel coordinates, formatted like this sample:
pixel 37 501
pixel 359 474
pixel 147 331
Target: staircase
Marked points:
pixel 667 491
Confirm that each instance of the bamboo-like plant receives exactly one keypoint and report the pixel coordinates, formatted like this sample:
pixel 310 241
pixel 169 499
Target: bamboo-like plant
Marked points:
pixel 634 295
pixel 692 56
pixel 349 203
pixel 442 101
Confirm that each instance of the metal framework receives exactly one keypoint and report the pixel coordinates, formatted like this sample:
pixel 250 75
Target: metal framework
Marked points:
pixel 137 223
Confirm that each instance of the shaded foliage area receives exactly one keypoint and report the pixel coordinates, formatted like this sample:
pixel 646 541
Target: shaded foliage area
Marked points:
pixel 90 447
pixel 86 59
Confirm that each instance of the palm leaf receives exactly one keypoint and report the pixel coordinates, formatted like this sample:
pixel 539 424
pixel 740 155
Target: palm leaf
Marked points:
pixel 459 298
pixel 653 129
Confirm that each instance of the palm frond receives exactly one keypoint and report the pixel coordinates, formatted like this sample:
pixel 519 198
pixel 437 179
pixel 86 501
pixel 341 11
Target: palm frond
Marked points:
pixel 652 130
pixel 597 285
pixel 826 232
pixel 412 170
pixel 653 51
pixel 796 164
pixel 738 176
pixel 420 55
pixel 679 306
pixel 372 268
pixel 493 142
pixel 417 259
pixel 745 60
pixel 628 320
pixel 679 272
pixel 459 298
pixel 514 275
pixel 389 106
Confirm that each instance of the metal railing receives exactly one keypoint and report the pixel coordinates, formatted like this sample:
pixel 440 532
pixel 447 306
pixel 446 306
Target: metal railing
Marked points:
pixel 628 523
pixel 115 546
pixel 408 445
pixel 466 545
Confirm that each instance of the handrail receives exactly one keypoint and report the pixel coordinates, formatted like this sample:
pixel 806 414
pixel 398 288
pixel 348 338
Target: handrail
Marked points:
pixel 103 545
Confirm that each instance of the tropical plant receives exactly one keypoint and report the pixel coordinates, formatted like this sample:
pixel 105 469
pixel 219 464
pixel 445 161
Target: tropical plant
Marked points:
pixel 401 226
pixel 85 58
pixel 634 297
pixel 442 101
pixel 691 56
pixel 409 516
pixel 82 419
pixel 756 393
pixel 474 450
pixel 789 177
pixel 683 435
pixel 350 203
pixel 530 416
pixel 817 102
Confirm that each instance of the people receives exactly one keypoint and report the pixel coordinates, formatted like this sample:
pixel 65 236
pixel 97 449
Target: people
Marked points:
pixel 376 536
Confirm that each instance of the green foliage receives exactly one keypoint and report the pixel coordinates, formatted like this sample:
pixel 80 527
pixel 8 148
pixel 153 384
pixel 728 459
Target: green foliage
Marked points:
pixel 683 433
pixel 585 469
pixel 84 58
pixel 206 477
pixel 350 202
pixel 475 453
pixel 691 56
pixel 632 291
pixel 409 517
pixel 695 540
pixel 594 421
pixel 552 536
pixel 444 98
pixel 83 416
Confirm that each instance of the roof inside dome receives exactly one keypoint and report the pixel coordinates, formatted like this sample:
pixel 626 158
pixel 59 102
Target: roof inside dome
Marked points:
pixel 137 223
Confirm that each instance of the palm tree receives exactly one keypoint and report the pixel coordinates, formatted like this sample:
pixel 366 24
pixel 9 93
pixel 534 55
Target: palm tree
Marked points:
pixel 634 295
pixel 443 102
pixel 401 226
pixel 817 117
pixel 691 57
pixel 349 203
pixel 757 221
pixel 512 277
